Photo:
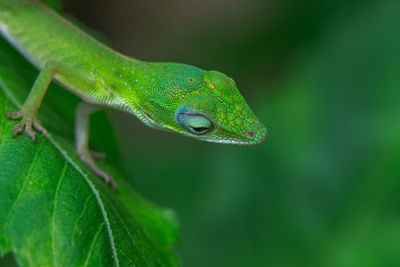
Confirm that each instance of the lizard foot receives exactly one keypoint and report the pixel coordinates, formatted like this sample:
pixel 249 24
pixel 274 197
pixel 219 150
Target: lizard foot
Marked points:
pixel 86 157
pixel 27 122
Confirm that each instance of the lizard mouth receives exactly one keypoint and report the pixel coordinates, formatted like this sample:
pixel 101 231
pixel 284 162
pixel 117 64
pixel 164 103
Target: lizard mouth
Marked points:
pixel 256 138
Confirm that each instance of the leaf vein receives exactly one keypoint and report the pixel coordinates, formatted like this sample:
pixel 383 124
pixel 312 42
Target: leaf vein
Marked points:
pixel 53 222
pixel 21 192
pixel 130 235
pixel 79 218
pixel 96 236
pixel 95 192
pixel 15 101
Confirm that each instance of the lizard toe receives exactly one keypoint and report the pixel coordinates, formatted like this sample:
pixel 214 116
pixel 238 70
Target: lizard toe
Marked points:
pixel 18 128
pixel 30 132
pixel 38 126
pixel 87 158
pixel 14 115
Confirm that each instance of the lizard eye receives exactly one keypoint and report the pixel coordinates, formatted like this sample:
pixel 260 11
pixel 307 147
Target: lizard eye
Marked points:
pixel 193 122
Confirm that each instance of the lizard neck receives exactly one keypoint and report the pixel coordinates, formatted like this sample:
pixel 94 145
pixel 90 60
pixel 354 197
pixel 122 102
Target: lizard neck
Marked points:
pixel 131 86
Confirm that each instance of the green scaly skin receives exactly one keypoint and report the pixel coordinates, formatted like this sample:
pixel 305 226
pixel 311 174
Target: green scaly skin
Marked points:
pixel 205 105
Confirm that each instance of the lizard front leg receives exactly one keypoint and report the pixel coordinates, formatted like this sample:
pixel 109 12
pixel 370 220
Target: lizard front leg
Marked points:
pixel 28 112
pixel 83 112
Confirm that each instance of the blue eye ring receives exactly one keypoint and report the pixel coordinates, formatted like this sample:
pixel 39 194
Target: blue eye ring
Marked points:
pixel 193 121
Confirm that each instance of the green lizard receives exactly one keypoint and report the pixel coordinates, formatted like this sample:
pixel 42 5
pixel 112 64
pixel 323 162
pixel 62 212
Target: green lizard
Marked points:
pixel 180 98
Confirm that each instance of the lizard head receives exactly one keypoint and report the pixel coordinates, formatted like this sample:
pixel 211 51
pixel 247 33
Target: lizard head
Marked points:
pixel 207 105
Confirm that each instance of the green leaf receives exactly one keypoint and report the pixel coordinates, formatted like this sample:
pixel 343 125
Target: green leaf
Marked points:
pixel 53 210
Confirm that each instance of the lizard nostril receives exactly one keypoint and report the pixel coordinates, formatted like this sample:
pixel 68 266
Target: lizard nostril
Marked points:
pixel 250 133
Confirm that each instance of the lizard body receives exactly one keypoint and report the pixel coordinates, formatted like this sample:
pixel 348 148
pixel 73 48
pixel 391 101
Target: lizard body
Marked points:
pixel 201 104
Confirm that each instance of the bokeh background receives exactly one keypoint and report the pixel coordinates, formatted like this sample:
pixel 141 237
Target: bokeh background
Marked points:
pixel 324 77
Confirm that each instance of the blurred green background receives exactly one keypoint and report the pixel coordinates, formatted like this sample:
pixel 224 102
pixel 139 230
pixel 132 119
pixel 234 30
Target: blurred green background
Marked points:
pixel 324 77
